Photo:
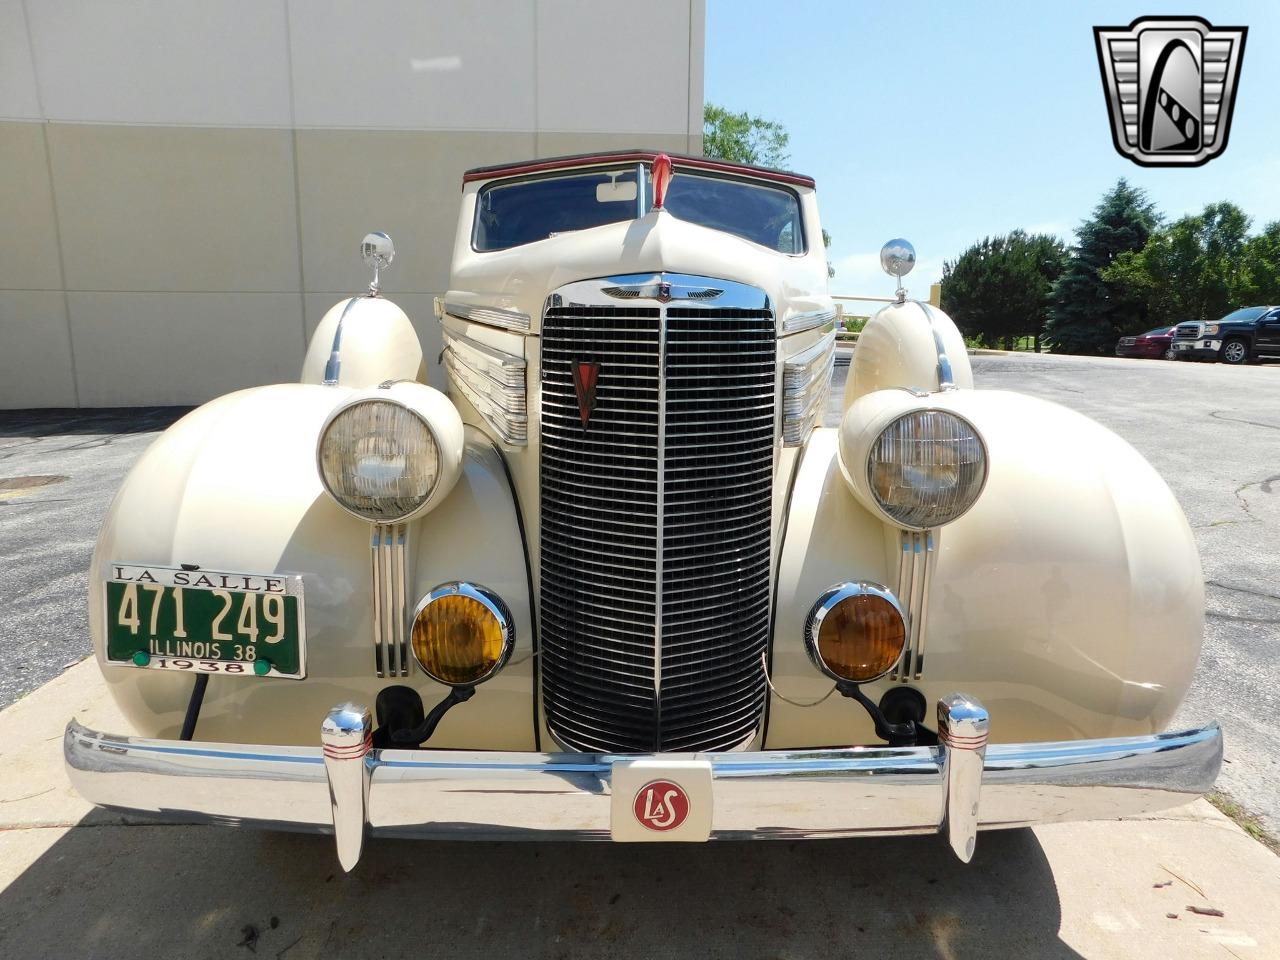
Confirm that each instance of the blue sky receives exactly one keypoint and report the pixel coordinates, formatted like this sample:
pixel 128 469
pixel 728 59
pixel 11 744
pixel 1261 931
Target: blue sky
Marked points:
pixel 946 122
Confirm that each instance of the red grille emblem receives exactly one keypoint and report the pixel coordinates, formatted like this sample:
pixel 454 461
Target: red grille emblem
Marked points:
pixel 661 805
pixel 585 375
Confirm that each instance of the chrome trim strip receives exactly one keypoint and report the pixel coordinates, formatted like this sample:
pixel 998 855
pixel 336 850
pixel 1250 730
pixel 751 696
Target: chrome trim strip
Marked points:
pixel 388 599
pixel 379 638
pixel 915 573
pixel 389 588
pixel 782 794
pixel 946 380
pixel 401 597
pixel 922 613
pixel 734 295
pixel 660 507
pixel 899 672
pixel 800 322
pixel 491 316
pixel 471 367
pixel 333 366
pixel 806 382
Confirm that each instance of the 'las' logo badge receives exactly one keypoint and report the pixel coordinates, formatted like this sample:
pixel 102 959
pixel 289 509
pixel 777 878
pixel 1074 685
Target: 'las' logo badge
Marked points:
pixel 661 805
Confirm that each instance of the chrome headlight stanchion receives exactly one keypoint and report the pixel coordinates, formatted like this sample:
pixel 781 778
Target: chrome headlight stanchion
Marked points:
pixel 347 736
pixel 962 732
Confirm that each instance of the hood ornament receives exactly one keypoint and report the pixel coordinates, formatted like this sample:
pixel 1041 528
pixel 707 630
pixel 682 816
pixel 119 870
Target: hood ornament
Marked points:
pixel 378 252
pixel 897 258
pixel 662 171
pixel 585 375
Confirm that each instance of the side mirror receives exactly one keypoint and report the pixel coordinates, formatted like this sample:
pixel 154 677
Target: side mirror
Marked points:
pixel 378 252
pixel 898 258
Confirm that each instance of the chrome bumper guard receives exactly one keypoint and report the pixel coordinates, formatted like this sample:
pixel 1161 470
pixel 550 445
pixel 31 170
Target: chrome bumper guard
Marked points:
pixel 350 790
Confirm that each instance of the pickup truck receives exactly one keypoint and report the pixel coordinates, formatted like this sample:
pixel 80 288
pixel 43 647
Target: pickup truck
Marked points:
pixel 1249 333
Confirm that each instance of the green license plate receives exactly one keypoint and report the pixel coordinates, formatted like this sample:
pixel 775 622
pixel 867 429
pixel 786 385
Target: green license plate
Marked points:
pixel 205 621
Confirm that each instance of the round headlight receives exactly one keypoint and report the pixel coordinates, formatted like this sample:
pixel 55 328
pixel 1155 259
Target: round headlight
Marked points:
pixel 462 634
pixel 926 468
pixel 856 632
pixel 379 460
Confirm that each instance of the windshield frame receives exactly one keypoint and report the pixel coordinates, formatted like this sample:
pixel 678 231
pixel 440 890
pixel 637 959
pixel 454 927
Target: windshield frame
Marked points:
pixel 644 199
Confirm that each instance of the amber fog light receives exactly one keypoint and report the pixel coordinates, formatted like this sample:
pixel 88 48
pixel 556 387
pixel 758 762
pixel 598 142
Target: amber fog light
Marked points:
pixel 856 632
pixel 462 634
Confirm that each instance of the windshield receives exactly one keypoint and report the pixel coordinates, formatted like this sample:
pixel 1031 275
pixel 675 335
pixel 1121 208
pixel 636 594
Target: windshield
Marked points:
pixel 509 214
pixel 1244 313
pixel 518 212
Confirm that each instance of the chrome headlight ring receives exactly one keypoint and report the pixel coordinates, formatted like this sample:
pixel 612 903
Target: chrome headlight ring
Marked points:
pixel 346 499
pixel 921 514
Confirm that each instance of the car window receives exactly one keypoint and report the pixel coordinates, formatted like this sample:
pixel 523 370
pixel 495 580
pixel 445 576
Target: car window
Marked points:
pixel 1158 332
pixel 1244 313
pixel 516 212
pixel 769 216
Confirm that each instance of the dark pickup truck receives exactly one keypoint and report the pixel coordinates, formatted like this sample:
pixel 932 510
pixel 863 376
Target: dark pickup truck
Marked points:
pixel 1250 333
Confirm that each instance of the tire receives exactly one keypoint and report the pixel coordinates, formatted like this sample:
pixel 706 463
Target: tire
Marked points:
pixel 1170 354
pixel 1234 352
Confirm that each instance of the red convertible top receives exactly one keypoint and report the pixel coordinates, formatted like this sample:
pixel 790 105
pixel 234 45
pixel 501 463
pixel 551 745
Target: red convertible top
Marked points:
pixel 643 156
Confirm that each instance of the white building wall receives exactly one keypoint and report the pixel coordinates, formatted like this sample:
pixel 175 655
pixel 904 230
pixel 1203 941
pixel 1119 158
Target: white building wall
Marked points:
pixel 186 182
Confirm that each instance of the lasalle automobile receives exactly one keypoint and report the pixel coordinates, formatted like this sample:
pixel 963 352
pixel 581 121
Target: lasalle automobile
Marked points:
pixel 619 580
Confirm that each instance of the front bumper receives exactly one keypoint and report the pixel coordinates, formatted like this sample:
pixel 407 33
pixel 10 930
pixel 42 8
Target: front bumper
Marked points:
pixel 348 789
pixel 1197 348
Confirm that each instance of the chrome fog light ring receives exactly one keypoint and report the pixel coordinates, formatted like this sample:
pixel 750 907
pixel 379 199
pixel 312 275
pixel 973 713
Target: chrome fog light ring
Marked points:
pixel 490 662
pixel 845 597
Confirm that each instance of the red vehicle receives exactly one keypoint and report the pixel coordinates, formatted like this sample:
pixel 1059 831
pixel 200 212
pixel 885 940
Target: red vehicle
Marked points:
pixel 1155 344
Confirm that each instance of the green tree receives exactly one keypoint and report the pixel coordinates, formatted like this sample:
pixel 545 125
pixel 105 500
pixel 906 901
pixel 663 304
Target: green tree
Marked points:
pixel 743 138
pixel 1262 266
pixel 1193 269
pixel 999 289
pixel 1088 313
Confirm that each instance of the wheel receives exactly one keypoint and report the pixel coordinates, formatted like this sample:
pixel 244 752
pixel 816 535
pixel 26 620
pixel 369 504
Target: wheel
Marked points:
pixel 1171 354
pixel 1235 352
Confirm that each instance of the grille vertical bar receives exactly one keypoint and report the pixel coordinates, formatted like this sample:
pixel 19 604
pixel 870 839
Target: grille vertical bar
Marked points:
pixel 656 526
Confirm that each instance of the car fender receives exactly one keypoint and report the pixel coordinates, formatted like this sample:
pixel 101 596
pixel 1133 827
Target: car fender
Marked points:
pixel 1069 599
pixel 233 486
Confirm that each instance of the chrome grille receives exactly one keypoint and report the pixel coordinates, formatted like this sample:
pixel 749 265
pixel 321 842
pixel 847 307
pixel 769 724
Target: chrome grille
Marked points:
pixel 1187 331
pixel 656 522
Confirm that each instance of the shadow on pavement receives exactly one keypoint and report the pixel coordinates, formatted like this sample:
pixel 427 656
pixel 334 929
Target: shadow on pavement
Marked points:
pixel 107 891
pixel 55 423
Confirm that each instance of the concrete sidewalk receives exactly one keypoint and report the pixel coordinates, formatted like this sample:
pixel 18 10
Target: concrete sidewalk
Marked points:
pixel 75 882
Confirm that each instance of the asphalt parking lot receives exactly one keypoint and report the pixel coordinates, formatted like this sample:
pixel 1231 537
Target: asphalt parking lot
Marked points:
pixel 80 880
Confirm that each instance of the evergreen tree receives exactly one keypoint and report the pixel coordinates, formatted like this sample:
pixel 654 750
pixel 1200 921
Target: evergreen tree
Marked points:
pixel 1088 313
pixel 998 290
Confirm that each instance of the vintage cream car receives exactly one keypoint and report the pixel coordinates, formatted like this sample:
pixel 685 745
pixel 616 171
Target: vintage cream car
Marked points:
pixel 619 581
